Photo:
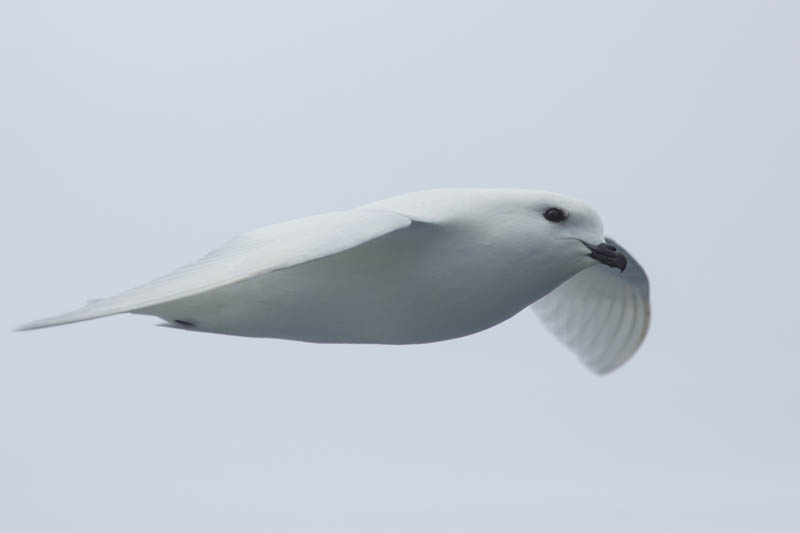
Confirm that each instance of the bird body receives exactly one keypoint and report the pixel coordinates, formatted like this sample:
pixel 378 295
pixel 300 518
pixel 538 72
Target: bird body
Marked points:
pixel 421 267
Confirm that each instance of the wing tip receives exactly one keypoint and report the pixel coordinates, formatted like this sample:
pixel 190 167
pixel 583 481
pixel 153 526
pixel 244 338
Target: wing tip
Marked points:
pixel 79 315
pixel 42 324
pixel 36 324
pixel 618 361
pixel 609 367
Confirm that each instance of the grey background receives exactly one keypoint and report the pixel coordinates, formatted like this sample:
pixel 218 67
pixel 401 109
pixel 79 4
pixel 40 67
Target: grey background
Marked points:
pixel 136 137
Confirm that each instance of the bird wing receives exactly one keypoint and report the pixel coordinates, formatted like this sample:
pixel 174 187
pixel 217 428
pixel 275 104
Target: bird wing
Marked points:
pixel 600 313
pixel 250 254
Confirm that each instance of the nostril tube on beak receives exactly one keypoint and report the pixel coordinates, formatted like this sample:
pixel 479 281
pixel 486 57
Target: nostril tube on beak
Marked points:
pixel 607 254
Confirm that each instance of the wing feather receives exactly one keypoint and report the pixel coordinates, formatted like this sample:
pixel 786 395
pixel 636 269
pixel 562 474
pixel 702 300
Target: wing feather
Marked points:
pixel 252 253
pixel 600 314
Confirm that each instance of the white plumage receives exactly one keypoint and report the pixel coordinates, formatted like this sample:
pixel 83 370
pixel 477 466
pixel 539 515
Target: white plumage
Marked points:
pixel 601 314
pixel 421 267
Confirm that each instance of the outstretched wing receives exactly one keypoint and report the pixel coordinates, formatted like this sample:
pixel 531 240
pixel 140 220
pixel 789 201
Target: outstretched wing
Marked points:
pixel 600 313
pixel 255 252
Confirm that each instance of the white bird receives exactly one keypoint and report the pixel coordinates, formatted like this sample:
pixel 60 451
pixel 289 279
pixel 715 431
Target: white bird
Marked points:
pixel 416 268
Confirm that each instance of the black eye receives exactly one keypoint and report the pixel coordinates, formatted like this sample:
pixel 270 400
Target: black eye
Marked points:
pixel 555 214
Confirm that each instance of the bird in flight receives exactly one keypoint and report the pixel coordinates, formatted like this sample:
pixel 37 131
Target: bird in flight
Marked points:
pixel 421 267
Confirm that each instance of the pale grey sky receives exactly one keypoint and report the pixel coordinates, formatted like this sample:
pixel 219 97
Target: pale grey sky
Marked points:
pixel 138 137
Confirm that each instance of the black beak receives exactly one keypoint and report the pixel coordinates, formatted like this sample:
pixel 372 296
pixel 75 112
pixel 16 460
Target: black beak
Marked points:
pixel 608 255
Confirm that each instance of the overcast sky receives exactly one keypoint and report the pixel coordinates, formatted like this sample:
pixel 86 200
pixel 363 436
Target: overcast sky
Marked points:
pixel 137 137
